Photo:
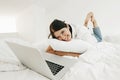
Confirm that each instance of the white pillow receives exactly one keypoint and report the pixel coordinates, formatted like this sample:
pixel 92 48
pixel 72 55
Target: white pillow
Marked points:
pixel 8 60
pixel 75 45
pixel 5 53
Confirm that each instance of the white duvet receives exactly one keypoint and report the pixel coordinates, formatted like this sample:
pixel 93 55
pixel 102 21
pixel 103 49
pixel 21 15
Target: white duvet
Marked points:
pixel 99 63
pixel 21 75
pixel 12 69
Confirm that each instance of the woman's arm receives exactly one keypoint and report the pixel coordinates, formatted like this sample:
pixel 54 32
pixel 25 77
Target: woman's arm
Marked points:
pixel 61 53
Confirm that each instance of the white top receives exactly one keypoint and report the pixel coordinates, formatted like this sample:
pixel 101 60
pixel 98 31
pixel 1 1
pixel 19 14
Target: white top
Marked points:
pixel 81 32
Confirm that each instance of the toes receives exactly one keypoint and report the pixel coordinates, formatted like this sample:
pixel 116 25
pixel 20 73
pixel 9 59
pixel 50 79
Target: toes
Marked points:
pixel 90 14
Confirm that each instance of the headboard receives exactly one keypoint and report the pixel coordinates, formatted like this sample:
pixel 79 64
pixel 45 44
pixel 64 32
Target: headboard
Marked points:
pixel 9 35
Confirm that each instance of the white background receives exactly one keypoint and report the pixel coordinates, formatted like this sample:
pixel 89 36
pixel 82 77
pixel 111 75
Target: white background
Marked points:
pixel 34 16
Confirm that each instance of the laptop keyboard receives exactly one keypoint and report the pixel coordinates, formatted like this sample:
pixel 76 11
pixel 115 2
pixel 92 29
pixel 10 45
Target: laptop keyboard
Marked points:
pixel 55 68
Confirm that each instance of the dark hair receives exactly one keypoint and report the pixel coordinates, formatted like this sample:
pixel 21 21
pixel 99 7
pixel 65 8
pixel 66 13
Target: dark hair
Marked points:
pixel 57 25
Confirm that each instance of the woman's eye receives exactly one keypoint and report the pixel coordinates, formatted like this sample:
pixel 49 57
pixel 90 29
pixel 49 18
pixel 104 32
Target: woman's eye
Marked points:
pixel 62 32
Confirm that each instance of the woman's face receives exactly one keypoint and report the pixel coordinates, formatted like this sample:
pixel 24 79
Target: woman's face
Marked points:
pixel 63 34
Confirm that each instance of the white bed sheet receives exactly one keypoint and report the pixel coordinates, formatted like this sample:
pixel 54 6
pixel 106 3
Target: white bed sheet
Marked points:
pixel 26 74
pixel 10 66
pixel 105 68
pixel 100 64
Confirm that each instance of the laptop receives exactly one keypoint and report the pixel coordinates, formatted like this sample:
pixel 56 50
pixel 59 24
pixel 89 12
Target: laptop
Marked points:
pixel 33 59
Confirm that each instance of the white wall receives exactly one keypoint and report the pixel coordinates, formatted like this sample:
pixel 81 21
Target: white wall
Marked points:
pixel 107 13
pixel 31 24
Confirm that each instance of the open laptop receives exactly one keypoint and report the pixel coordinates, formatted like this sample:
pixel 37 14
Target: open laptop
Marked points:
pixel 32 58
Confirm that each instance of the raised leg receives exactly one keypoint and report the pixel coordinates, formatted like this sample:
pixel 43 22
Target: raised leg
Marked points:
pixel 90 16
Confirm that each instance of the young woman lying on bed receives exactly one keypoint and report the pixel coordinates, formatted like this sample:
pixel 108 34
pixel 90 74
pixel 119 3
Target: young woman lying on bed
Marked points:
pixel 66 32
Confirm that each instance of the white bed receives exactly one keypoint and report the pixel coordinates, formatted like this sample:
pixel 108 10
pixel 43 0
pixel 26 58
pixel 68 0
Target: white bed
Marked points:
pixel 10 66
pixel 100 64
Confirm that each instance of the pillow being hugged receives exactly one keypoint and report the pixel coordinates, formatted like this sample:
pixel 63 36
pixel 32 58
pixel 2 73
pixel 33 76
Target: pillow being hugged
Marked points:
pixel 75 45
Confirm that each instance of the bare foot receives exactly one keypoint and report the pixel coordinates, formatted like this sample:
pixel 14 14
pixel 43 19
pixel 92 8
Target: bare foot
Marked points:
pixel 94 21
pixel 88 17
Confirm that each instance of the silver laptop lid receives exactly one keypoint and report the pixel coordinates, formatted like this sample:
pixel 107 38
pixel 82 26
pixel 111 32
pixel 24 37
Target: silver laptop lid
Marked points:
pixel 32 58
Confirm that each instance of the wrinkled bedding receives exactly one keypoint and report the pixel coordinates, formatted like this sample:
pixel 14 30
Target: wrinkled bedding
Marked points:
pixel 99 63
pixel 25 74
pixel 10 66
